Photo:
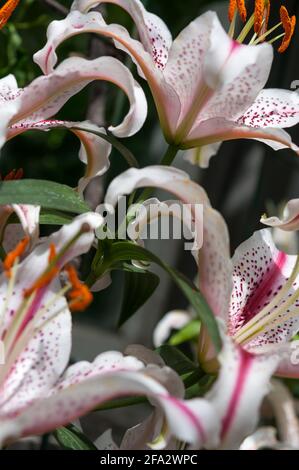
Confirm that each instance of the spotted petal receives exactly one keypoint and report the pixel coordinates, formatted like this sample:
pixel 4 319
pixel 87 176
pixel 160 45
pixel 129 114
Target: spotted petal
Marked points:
pixel 9 105
pixel 153 32
pixel 273 108
pixel 127 377
pixel 239 390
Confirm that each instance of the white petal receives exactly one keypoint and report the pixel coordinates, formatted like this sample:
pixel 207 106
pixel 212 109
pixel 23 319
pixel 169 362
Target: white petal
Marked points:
pixel 174 320
pixel 8 104
pixel 238 392
pixel 290 219
pixel 273 108
pixel 201 156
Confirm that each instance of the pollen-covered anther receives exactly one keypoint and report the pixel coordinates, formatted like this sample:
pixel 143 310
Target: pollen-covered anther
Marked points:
pixel 47 276
pixel 289 24
pixel 259 15
pixel 6 11
pixel 232 9
pixel 242 10
pixel 13 255
pixel 79 296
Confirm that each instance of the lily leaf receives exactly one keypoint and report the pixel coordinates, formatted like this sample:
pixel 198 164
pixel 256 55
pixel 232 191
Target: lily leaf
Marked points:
pixel 48 194
pixel 138 288
pixel 71 438
pixel 126 251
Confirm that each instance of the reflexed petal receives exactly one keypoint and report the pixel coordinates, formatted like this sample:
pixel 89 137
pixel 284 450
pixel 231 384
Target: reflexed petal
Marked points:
pixel 239 390
pixel 76 23
pixel 153 32
pixel 46 95
pixel 125 379
pixel 290 219
pixel 273 108
pixel 260 273
pixel 214 257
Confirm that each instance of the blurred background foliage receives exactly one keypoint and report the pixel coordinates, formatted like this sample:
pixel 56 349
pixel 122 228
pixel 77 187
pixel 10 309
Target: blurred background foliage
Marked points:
pixel 243 181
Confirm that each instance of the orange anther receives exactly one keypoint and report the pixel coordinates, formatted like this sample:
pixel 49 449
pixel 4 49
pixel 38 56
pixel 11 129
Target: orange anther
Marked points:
pixel 242 9
pixel 289 24
pixel 259 11
pixel 80 295
pixel 48 275
pixel 13 255
pixel 232 9
pixel 6 11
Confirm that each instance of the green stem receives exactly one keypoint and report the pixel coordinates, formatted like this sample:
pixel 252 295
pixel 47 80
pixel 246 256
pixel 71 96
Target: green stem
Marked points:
pixel 167 160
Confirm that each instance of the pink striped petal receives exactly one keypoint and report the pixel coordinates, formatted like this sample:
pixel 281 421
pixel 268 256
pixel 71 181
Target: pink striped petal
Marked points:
pixel 260 273
pixel 239 390
pixel 64 406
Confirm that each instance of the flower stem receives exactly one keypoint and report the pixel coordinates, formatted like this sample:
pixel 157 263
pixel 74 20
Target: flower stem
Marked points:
pixel 167 160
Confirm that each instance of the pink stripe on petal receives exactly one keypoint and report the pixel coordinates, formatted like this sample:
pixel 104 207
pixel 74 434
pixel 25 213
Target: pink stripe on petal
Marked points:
pixel 245 363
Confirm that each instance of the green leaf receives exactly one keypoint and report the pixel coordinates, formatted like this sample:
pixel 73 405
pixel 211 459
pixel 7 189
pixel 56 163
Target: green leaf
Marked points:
pixel 122 149
pixel 126 251
pixel 188 333
pixel 71 438
pixel 138 288
pixel 177 360
pixel 47 194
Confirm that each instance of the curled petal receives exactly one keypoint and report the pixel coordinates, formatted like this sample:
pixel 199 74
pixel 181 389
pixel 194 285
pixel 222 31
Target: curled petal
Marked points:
pixel 153 32
pixel 201 156
pixel 86 391
pixel 289 220
pixel 44 97
pixel 214 257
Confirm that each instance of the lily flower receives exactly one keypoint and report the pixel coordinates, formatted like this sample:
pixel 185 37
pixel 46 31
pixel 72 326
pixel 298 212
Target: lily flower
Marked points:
pixel 204 93
pixel 37 394
pixel 254 296
pixel 33 107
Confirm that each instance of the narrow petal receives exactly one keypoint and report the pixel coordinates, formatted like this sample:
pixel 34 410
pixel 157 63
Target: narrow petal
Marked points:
pixel 273 108
pixel 153 32
pixel 46 95
pixel 260 273
pixel 238 392
pixel 130 379
pixel 29 220
pixel 77 23
pixel 214 257
pixel 290 219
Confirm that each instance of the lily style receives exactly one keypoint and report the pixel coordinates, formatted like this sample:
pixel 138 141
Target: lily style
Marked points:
pixel 254 296
pixel 33 107
pixel 37 394
pixel 207 86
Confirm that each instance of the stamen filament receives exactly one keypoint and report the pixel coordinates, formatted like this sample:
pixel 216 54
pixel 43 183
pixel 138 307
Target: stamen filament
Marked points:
pixel 275 301
pixel 246 30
